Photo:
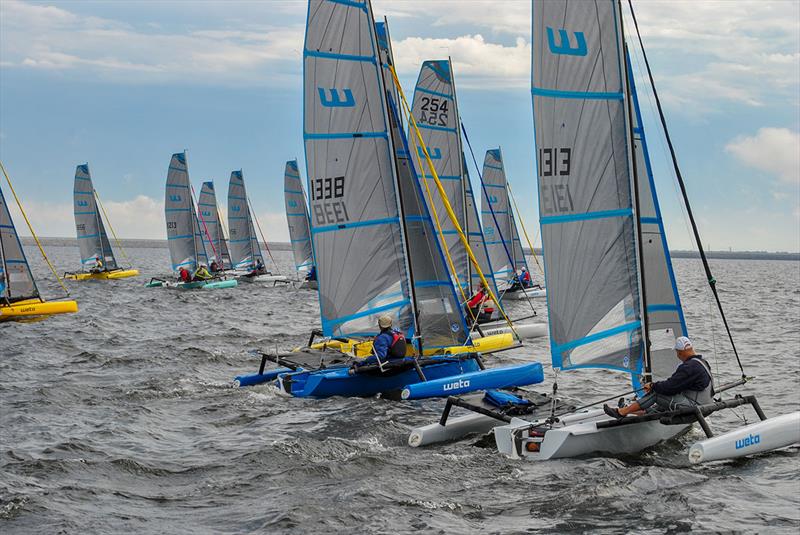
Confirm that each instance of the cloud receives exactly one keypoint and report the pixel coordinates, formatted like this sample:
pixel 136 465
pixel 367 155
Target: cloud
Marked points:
pixel 514 18
pixel 774 150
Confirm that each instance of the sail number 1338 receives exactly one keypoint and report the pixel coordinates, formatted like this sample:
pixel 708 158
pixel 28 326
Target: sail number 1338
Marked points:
pixel 324 194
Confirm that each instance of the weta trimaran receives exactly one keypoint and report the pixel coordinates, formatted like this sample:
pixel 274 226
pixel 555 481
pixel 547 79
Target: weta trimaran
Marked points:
pixel 298 220
pixel 213 230
pixel 97 256
pixel 612 297
pixel 373 238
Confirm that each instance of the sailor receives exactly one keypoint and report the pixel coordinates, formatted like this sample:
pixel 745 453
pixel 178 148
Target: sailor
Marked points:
pixel 692 384
pixel 389 343
pixel 480 305
pixel 312 274
pixel 214 267
pixel 259 269
pixel 184 274
pixel 525 278
pixel 98 265
pixel 202 274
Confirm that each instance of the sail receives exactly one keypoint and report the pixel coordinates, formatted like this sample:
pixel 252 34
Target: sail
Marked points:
pixel 16 279
pixel 210 225
pixel 584 181
pixel 436 113
pixel 498 226
pixel 297 217
pixel 244 246
pixel 92 238
pixel 186 248
pixel 440 316
pixel 477 242
pixel 516 244
pixel 356 230
pixel 665 319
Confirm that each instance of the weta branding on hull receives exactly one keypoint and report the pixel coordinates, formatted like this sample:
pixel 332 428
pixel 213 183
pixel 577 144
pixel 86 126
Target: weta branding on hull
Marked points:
pixel 456 385
pixel 750 440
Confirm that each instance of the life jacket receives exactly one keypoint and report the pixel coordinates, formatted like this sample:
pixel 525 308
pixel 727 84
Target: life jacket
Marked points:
pixel 706 395
pixel 185 277
pixel 397 349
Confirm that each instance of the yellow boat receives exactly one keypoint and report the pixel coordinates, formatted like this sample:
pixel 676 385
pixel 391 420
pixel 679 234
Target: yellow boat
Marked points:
pixel 30 310
pixel 363 348
pixel 103 275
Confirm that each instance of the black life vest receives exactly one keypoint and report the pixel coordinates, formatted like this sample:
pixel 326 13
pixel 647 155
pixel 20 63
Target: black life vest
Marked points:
pixel 397 349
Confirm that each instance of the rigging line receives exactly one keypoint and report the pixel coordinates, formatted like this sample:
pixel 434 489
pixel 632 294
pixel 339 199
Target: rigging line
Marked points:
pixel 446 201
pixel 522 224
pixel 205 227
pixel 494 216
pixel 30 227
pixel 252 212
pixel 116 240
pixel 712 282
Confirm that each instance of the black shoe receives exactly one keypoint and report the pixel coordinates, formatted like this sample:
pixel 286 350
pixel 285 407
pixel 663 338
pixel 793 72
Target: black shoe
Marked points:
pixel 614 413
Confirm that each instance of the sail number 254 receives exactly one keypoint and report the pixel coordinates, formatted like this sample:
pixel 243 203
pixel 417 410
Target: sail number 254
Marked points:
pixel 433 111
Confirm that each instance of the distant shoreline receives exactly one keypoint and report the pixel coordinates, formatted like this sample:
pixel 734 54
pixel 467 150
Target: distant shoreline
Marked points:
pixel 284 246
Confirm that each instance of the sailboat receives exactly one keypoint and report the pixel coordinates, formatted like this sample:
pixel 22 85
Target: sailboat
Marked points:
pixel 298 221
pixel 20 299
pixel 246 256
pixel 184 234
pixel 373 238
pixel 500 227
pixel 213 232
pixel 97 256
pixel 435 106
pixel 613 299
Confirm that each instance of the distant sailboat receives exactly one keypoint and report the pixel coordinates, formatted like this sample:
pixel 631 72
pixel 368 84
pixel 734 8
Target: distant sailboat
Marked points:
pixel 20 299
pixel 184 235
pixel 298 221
pixel 97 256
pixel 246 256
pixel 213 232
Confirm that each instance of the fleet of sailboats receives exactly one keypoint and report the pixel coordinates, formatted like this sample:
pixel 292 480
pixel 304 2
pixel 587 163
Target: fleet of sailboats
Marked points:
pixel 390 224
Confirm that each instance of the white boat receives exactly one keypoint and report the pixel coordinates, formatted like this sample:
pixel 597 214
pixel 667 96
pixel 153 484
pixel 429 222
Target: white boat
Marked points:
pixel 525 293
pixel 613 301
pixel 523 329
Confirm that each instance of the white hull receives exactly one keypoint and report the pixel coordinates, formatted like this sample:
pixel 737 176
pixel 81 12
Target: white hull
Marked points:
pixel 524 294
pixel 766 435
pixel 578 435
pixel 266 278
pixel 524 330
pixel 454 429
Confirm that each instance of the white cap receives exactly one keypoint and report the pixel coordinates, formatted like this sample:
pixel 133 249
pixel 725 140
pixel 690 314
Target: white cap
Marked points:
pixel 682 343
pixel 385 321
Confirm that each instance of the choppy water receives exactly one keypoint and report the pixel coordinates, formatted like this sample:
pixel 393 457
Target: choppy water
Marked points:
pixel 122 419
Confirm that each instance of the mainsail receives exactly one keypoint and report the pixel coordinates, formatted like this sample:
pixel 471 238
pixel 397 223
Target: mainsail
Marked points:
pixel 92 238
pixel 436 112
pixel 665 319
pixel 245 249
pixel 477 241
pixel 186 247
pixel 297 217
pixel 585 193
pixel 355 222
pixel 16 279
pixel 210 225
pixel 502 238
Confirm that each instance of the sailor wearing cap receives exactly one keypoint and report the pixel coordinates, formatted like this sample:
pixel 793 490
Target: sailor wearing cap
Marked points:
pixel 389 343
pixel 691 384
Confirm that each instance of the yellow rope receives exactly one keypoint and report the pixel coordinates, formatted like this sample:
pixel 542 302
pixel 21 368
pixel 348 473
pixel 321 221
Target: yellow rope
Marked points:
pixel 41 249
pixel 108 221
pixel 522 223
pixel 445 200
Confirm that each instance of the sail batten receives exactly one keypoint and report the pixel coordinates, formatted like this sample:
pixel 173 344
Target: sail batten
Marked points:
pixel 297 217
pixel 585 185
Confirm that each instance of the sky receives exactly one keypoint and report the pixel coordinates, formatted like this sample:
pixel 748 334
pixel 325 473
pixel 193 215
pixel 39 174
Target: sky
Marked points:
pixel 122 85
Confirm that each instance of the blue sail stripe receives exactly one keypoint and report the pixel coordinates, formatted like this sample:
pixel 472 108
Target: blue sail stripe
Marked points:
pixel 86 213
pixel 494 186
pixel 568 218
pixel 444 177
pixel 662 307
pixel 432 92
pixel 239 241
pixel 84 193
pixel 350 3
pixel 212 205
pixel 292 191
pixel 346 135
pixel 7 226
pixel 558 349
pixel 337 57
pixel 299 240
pixel 587 95
pixel 237 197
pixel 88 236
pixel 343 226
pixel 296 214
pixel 431 283
pixel 364 313
pixel 177 185
pixel 494 212
pixel 181 237
pixel 82 178
pixel 649 220
pixel 439 128
pixel 177 209
pixel 14 261
pixel 177 169
pixel 237 217
pixel 498 167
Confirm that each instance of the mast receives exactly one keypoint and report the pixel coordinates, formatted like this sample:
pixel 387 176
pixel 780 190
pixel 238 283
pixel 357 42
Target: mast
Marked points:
pixel 395 172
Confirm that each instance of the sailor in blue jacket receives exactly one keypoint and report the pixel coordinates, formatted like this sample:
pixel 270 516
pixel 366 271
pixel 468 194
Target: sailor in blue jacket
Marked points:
pixel 691 384
pixel 389 343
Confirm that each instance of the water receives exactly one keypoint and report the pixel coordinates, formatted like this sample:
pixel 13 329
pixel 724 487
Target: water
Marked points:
pixel 121 418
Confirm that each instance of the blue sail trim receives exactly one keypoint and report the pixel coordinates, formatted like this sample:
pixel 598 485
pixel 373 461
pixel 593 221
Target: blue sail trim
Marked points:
pixel 88 236
pixel 298 240
pixel 346 135
pixel 177 209
pixel 439 128
pixel 211 205
pixel 294 214
pixel 93 212
pixel 350 3
pixel 237 217
pixel 584 95
pixel 328 323
pixel 558 349
pixel 237 197
pixel 292 191
pixel 432 92
pixel 569 218
pixel 495 186
pixel 494 211
pixel 14 261
pixel 83 178
pixel 177 186
pixel 430 284
pixel 181 237
pixel 445 177
pixel 329 228
pixel 661 307
pixel 337 57
pixel 499 168
pixel 84 192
